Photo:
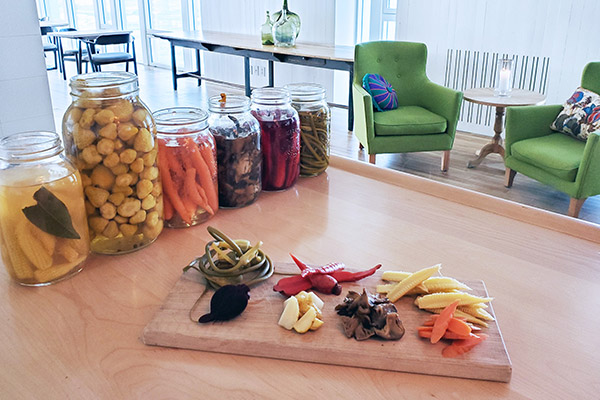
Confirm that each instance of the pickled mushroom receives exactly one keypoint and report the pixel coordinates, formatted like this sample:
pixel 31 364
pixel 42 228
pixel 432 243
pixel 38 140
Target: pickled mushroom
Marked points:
pixel 366 315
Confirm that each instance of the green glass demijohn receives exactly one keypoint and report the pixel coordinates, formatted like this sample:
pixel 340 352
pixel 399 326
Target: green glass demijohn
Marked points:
pixel 291 15
pixel 284 31
pixel 266 31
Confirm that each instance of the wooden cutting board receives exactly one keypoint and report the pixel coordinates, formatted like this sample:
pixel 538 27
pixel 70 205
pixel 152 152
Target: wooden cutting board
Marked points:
pixel 256 333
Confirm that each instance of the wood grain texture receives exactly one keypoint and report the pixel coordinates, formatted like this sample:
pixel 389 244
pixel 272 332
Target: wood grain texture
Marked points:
pixel 81 338
pixel 256 333
pixel 252 42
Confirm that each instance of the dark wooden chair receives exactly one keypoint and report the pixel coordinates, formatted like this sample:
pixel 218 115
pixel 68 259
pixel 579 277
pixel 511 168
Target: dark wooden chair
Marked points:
pixel 72 53
pixel 97 59
pixel 49 45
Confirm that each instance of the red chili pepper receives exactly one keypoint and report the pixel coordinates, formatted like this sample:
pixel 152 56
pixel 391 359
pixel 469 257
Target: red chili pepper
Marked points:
pixel 347 276
pixel 292 285
pixel 325 284
pixel 324 270
pixel 299 263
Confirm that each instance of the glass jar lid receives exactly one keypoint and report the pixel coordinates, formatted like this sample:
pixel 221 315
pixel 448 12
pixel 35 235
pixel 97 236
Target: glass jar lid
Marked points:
pixel 180 120
pixel 228 104
pixel 104 85
pixel 30 146
pixel 271 96
pixel 305 92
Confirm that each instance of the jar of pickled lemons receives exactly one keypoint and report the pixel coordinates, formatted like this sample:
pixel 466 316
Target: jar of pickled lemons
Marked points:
pixel 110 136
pixel 43 225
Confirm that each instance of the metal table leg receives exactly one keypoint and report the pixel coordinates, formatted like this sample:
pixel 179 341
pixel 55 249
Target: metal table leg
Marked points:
pixel 247 76
pixel 271 74
pixel 173 66
pixel 198 70
pixel 350 102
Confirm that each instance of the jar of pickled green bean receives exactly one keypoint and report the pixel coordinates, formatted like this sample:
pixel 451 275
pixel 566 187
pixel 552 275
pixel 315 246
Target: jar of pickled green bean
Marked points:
pixel 315 125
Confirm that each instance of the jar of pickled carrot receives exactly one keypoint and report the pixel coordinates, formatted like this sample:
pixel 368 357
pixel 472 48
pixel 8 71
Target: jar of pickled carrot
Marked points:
pixel 188 166
pixel 110 136
pixel 43 225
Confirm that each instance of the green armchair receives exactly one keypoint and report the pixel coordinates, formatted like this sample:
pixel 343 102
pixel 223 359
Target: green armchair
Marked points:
pixel 427 113
pixel 565 163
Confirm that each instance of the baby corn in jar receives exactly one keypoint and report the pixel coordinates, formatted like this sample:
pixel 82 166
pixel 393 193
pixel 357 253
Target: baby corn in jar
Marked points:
pixel 43 224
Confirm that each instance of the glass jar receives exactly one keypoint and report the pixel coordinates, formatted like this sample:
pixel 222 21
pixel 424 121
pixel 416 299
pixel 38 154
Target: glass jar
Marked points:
pixel 188 166
pixel 315 125
pixel 266 32
pixel 291 15
pixel 110 136
pixel 43 225
pixel 280 137
pixel 239 159
pixel 285 31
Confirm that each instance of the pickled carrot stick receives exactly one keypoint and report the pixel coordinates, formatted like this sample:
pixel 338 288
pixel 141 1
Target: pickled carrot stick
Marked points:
pixel 209 158
pixel 201 192
pixel 190 206
pixel 190 188
pixel 167 208
pixel 169 187
pixel 203 174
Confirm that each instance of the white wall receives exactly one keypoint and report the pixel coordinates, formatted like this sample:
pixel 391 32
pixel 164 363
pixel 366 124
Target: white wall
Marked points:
pixel 564 30
pixel 246 17
pixel 24 93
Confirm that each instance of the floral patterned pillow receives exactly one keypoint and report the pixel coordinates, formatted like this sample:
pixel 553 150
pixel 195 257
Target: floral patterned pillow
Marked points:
pixel 580 115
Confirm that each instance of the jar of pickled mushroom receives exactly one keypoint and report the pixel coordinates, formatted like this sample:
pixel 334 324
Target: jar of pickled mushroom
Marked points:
pixel 188 166
pixel 239 159
pixel 315 126
pixel 43 225
pixel 110 136
pixel 280 137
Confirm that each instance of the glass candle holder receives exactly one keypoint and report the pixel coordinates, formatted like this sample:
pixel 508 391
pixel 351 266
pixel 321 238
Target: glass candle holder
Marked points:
pixel 504 77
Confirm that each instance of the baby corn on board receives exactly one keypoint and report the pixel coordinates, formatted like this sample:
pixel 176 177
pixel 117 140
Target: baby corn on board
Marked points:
pixel 256 332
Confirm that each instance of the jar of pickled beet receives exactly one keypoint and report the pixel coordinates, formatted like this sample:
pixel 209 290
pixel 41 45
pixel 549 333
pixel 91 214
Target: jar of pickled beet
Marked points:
pixel 188 166
pixel 110 136
pixel 43 224
pixel 239 159
pixel 280 137
pixel 315 125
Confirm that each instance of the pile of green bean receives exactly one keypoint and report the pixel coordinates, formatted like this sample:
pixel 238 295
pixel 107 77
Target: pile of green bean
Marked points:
pixel 315 135
pixel 232 262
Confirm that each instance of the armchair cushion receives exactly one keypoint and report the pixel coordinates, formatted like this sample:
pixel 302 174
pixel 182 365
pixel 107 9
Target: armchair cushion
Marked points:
pixel 556 153
pixel 408 120
pixel 383 94
pixel 580 115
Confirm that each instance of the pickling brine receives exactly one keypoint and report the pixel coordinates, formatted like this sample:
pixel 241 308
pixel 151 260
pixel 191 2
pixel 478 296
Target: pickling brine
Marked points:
pixel 43 225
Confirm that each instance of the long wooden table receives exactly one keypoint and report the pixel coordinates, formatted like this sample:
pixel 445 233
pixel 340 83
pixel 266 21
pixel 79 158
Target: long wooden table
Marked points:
pixel 81 338
pixel 249 46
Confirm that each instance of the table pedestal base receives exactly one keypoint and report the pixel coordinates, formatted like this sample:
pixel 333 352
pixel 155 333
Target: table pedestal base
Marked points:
pixel 496 145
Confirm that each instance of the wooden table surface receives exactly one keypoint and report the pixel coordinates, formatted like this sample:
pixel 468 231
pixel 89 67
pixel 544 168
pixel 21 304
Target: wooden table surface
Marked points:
pixel 252 42
pixel 86 34
pixel 518 97
pixel 81 338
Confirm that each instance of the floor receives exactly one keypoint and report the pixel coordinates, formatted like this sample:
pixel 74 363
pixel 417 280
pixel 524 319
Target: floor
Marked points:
pixel 157 92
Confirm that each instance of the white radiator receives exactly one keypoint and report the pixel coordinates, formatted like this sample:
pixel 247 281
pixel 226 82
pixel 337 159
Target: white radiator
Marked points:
pixel 469 69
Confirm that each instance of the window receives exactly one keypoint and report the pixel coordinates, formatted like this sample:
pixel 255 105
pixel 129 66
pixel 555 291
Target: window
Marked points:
pixel 376 20
pixel 83 14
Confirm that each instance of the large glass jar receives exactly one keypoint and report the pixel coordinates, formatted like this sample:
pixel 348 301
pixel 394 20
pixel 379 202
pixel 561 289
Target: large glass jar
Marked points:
pixel 315 125
pixel 43 225
pixel 280 137
pixel 188 166
pixel 239 159
pixel 285 31
pixel 111 137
